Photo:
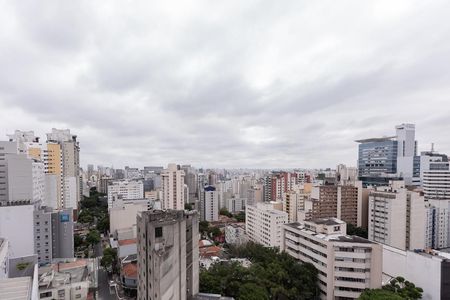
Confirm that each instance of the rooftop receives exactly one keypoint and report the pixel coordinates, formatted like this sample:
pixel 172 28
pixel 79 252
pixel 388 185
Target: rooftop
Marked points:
pixel 327 221
pixel 129 270
pixel 18 288
pixel 127 242
pixel 379 139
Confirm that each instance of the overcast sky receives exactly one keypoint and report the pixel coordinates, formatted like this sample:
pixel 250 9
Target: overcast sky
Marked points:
pixel 225 83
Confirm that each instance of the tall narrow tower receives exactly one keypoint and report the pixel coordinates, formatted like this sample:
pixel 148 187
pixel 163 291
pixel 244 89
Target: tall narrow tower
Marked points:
pixel 173 187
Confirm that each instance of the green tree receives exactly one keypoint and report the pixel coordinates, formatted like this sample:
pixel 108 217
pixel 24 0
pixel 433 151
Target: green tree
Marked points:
pixel 358 231
pixel 379 294
pixel 93 237
pixel 251 291
pixel 272 275
pixel 224 212
pixel 85 217
pixel 188 206
pixel 203 226
pixel 240 217
pixel 103 224
pixel 404 288
pixel 109 259
pixel 214 232
pixel 77 241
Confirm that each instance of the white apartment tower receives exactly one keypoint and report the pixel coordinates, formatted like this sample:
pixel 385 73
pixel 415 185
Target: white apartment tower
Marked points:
pixel 209 207
pixel 397 217
pixel 347 265
pixel 172 187
pixel 126 190
pixel 435 176
pixel 263 224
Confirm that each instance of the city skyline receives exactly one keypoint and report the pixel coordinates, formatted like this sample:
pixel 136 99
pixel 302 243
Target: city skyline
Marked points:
pixel 255 85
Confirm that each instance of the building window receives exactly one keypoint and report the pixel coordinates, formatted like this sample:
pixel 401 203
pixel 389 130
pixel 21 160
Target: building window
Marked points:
pixel 158 232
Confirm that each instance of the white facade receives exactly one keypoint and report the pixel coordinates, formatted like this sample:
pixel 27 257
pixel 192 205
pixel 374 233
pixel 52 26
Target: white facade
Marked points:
pixel 235 205
pixel 235 234
pixel 121 217
pixel 125 189
pixel 406 150
pixel 211 206
pixel 4 258
pixel 70 192
pixel 347 264
pixel 435 175
pixel 173 187
pixel 397 217
pixel 38 182
pixel 426 270
pixel 17 226
pixel 263 224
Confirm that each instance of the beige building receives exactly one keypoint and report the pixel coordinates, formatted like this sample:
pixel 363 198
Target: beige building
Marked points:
pixel 173 187
pixel 293 202
pixel 397 217
pixel 62 162
pixel 125 215
pixel 347 264
pixel 168 255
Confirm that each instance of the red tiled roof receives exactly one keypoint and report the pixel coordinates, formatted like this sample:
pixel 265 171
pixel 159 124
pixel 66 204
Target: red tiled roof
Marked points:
pixel 127 242
pixel 130 270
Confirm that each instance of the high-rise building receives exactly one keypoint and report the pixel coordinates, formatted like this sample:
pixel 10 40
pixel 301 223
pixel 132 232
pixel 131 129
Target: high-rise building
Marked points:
pixel 293 202
pixel 263 224
pixel 347 265
pixel 168 255
pixel 209 207
pixel 388 158
pixel 63 169
pixel 53 231
pixel 173 187
pixel 407 159
pixel 126 190
pixel 16 225
pixel 435 177
pixel 397 217
pixel 335 201
pixel 377 160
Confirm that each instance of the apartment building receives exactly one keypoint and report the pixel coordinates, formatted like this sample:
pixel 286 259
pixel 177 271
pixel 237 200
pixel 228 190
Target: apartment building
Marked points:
pixel 173 187
pixel 335 201
pixel 347 264
pixel 125 189
pixel 397 217
pixel 209 206
pixel 263 224
pixel 168 255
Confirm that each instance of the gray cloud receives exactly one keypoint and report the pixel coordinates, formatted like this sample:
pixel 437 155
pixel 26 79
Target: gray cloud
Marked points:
pixel 229 84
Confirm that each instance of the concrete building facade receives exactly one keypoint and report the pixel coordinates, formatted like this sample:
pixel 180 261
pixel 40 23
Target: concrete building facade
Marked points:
pixel 335 201
pixel 173 187
pixel 125 189
pixel 263 224
pixel 168 255
pixel 397 217
pixel 347 265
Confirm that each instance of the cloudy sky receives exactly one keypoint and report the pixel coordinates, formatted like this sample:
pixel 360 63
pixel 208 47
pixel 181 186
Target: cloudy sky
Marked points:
pixel 225 83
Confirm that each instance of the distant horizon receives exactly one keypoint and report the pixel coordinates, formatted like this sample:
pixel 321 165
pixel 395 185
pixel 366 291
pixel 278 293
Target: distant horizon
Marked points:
pixel 254 84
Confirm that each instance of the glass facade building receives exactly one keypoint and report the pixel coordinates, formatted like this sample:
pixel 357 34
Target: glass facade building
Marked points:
pixel 377 160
